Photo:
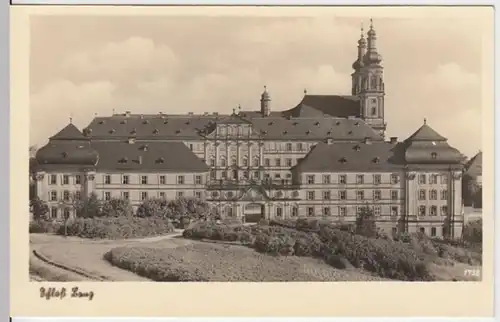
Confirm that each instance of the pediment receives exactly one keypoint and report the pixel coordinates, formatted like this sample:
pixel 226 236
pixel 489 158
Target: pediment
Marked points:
pixel 254 194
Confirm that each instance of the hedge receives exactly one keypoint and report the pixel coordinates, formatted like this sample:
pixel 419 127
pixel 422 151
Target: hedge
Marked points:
pixel 116 227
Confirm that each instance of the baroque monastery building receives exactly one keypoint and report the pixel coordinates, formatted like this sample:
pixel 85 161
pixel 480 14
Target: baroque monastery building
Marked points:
pixel 326 157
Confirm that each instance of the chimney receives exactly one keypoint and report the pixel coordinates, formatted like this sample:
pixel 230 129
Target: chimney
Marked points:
pixel 140 159
pixel 394 139
pixel 329 141
pixel 131 140
pixel 127 113
pixel 190 113
pixel 367 140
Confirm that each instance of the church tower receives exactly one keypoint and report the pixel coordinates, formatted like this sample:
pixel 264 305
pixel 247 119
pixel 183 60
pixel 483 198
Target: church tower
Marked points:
pixel 368 81
pixel 265 103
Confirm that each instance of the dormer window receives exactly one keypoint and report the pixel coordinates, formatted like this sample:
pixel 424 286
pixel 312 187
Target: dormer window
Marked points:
pixel 165 122
pixel 123 160
pixel 111 131
pixel 160 160
pixel 188 122
pixel 123 122
pixel 356 124
pixel 434 155
pixel 329 133
pixel 343 160
pixel 270 123
pixel 178 131
pixel 155 131
pixel 145 122
pixel 101 122
pixel 350 132
pixel 376 160
pixel 317 123
pixel 133 131
pixel 357 147
pixel 295 123
pixel 337 123
pixel 144 147
pixel 65 154
pixel 308 132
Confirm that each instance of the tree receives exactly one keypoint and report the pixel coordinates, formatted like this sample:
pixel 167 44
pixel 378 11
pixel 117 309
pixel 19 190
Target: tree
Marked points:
pixel 88 207
pixel 116 207
pixel 39 208
pixel 365 222
pixel 470 188
pixel 154 207
pixel 473 231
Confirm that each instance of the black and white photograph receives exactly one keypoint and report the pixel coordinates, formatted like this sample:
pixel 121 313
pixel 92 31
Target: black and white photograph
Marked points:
pixel 256 148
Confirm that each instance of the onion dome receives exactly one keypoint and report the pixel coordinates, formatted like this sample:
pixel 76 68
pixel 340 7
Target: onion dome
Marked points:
pixel 265 95
pixel 372 56
pixel 358 64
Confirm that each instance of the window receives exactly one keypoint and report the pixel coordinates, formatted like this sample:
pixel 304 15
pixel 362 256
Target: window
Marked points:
pixel 53 212
pixel 267 162
pixel 288 162
pixel 421 194
pixel 215 194
pixel 66 195
pixel 222 162
pixel 107 195
pixel 434 155
pixel 197 179
pixel 180 179
pixel 342 179
pixel 245 162
pixel 224 174
pixel 377 178
pixel 422 179
pixel 144 195
pixel 433 179
pixel 279 212
pixel 65 179
pixel 126 195
pixel 289 146
pixel 326 195
pixel 255 162
pixel 66 213
pixel 300 146
pixel 360 195
pixel 394 195
pixel 197 194
pixel 229 194
pixel 422 230
pixel 433 195
pixel 163 180
pixel 107 179
pixel 295 211
pixel 326 211
pixel 179 194
pixel 256 174
pixel 342 211
pixel 278 162
pixel 326 179
pixel 213 174
pixel 310 179
pixel 377 210
pixel 394 178
pixel 234 174
pixel 394 231
pixel 421 210
pixel 360 179
pixel 433 231
pixel 310 211
pixel 359 210
pixel 212 162
pixel 444 179
pixel 161 194
pixel 374 111
pixel 53 179
pixel 394 211
pixel 377 195
pixel 444 194
pixel 233 161
pixel 433 211
pixel 125 180
pixel 144 179
pixel 310 195
pixel 342 195
pixel 78 195
pixel 444 211
pixel 78 179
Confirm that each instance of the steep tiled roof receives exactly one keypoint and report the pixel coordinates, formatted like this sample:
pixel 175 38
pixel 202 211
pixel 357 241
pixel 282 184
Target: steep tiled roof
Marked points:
pixel 426 146
pixel 69 132
pixel 333 105
pixel 335 157
pixel 66 152
pixel 474 166
pixel 151 156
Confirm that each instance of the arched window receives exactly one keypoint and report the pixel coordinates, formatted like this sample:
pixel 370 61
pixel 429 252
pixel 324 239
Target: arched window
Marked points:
pixel 256 162
pixel 374 111
pixel 223 162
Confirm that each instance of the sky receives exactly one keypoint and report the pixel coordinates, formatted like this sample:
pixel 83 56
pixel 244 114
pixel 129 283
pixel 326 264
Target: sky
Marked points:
pixel 86 65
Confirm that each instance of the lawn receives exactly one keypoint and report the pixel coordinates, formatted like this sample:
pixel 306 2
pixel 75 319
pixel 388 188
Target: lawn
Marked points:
pixel 200 261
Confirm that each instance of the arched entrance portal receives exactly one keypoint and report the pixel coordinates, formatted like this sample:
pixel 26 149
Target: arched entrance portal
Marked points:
pixel 254 212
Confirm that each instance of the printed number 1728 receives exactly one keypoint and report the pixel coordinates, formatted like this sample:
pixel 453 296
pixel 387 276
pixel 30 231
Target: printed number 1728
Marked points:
pixel 472 272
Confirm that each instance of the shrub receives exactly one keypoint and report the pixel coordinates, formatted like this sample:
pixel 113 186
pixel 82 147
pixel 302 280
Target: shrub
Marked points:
pixel 39 209
pixel 473 231
pixel 283 223
pixel 88 207
pixel 154 207
pixel 44 227
pixel 365 223
pixel 386 258
pixel 116 227
pixel 117 207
